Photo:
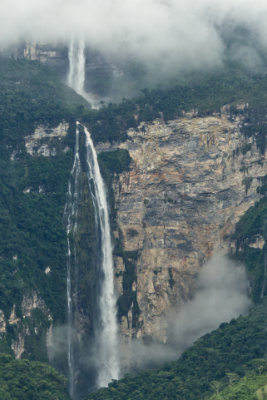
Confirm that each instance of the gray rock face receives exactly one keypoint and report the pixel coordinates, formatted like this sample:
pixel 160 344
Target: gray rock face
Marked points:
pixel 188 184
pixel 31 302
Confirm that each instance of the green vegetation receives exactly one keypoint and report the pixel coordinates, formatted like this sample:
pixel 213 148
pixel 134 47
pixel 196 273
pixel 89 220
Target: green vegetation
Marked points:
pixel 112 163
pixel 205 92
pixel 252 387
pixel 30 94
pixel 115 161
pixel 28 380
pixel 227 353
pixel 32 235
pixel 33 193
pixel 251 226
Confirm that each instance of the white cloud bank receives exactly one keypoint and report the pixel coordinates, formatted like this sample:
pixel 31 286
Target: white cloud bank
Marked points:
pixel 163 34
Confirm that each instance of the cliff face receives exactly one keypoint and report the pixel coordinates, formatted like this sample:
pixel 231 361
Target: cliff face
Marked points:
pixel 189 182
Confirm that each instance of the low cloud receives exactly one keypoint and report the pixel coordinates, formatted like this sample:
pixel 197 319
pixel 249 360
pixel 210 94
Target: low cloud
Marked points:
pixel 220 297
pixel 166 36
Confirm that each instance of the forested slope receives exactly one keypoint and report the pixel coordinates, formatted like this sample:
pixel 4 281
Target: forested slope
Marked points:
pixel 25 380
pixel 32 234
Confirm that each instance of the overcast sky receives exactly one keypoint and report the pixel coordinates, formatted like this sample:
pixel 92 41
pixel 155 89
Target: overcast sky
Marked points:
pixel 160 33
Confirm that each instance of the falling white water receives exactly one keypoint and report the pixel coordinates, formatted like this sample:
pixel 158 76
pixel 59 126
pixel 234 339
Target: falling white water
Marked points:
pixel 107 346
pixel 77 60
pixel 70 212
pixel 107 334
pixel 76 76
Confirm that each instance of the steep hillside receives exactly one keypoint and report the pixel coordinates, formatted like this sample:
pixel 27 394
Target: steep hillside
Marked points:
pixel 33 192
pixel 30 95
pixel 250 245
pixel 25 380
pixel 252 386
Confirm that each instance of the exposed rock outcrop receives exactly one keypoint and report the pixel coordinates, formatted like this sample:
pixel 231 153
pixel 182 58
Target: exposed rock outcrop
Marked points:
pixel 30 302
pixel 46 141
pixel 189 182
pixel 2 322
pixel 258 242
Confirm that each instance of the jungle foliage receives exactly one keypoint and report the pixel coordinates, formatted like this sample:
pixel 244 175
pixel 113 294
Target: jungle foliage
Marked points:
pixel 230 351
pixel 30 95
pixel 33 192
pixel 253 386
pixel 29 380
pixel 32 236
pixel 206 93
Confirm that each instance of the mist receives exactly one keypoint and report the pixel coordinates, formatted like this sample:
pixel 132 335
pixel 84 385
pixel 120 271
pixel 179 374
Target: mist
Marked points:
pixel 165 36
pixel 221 296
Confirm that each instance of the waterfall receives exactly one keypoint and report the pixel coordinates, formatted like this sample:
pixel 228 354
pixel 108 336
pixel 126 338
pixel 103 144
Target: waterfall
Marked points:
pixel 107 342
pixel 104 344
pixel 70 213
pixel 106 331
pixel 77 60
